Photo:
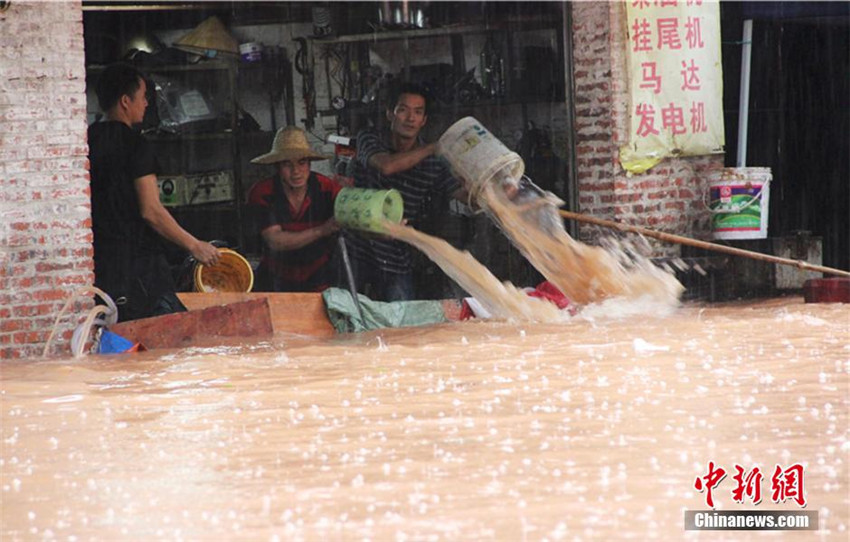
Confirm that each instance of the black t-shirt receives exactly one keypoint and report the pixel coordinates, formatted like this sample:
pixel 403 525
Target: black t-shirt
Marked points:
pixel 118 155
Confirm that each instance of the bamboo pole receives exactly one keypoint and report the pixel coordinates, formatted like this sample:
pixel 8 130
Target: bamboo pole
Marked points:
pixel 671 238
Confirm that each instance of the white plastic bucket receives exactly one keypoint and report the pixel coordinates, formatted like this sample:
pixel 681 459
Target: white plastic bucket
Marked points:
pixel 738 202
pixel 476 155
pixel 251 51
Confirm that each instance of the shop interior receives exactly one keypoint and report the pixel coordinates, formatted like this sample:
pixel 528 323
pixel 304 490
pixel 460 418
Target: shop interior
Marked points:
pixel 326 67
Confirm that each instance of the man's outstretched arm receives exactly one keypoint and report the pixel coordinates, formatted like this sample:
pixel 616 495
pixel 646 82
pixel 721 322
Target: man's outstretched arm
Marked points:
pixel 391 163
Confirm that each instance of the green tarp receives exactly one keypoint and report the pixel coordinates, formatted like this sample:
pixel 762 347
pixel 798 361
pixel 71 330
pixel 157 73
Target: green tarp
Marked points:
pixel 344 317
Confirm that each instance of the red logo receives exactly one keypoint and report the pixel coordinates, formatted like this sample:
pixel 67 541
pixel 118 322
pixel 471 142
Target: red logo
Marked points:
pixel 749 485
pixel 784 484
pixel 712 480
pixel 788 484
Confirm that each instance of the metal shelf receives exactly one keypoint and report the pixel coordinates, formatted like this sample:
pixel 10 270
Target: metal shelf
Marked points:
pixel 205 207
pixel 403 34
pixel 201 66
pixel 436 109
pixel 359 46
pixel 188 137
pixel 513 25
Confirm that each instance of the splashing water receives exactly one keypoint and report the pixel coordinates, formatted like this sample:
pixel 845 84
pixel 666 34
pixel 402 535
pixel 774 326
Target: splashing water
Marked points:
pixel 502 300
pixel 529 217
pixel 592 276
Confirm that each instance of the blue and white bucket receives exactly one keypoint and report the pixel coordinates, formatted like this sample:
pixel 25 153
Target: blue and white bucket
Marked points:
pixel 738 202
pixel 251 51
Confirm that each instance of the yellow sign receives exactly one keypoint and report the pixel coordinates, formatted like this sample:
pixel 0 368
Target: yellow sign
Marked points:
pixel 675 81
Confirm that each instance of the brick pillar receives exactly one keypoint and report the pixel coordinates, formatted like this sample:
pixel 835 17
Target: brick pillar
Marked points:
pixel 668 197
pixel 45 210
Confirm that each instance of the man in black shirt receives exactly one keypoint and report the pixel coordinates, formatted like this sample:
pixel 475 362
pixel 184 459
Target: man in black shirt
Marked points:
pixel 128 220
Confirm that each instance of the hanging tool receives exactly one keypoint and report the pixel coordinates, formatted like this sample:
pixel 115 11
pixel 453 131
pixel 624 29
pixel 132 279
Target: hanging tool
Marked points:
pixel 273 80
pixel 304 66
pixel 669 237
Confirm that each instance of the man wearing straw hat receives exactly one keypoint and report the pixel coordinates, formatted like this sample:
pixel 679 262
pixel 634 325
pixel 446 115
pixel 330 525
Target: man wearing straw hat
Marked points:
pixel 128 220
pixel 294 214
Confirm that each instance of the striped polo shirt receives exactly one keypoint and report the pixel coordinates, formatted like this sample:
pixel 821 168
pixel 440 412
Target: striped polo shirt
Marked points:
pixel 418 185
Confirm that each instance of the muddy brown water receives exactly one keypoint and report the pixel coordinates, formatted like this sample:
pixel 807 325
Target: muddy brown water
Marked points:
pixel 500 299
pixel 593 428
pixel 583 272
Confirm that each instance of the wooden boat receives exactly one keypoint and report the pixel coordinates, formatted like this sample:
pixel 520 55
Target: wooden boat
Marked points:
pixel 213 316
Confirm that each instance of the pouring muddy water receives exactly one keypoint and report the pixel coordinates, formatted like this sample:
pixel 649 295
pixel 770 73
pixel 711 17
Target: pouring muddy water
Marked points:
pixel 529 218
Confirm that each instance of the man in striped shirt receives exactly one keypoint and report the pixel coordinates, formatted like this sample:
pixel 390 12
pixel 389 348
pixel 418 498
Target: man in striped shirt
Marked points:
pixel 399 159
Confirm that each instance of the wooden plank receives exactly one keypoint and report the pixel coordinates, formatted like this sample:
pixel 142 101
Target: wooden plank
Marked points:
pixel 302 313
pixel 251 318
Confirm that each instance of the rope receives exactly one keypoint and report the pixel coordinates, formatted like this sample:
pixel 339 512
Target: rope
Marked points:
pixel 82 332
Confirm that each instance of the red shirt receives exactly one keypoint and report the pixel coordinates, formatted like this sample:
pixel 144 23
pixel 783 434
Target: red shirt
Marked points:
pixel 303 269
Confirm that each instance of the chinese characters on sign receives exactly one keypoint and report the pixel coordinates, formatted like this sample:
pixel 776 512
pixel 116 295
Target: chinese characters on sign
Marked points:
pixel 785 484
pixel 676 81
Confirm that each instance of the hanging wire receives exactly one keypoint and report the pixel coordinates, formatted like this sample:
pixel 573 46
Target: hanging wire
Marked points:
pixel 99 315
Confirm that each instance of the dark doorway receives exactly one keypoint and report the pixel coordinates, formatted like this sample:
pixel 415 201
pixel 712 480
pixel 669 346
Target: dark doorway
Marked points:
pixel 799 114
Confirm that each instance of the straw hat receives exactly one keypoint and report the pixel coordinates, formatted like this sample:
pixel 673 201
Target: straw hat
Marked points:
pixel 289 143
pixel 209 36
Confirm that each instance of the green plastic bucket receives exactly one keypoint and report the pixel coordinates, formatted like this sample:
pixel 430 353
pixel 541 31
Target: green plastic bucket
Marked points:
pixel 738 202
pixel 366 209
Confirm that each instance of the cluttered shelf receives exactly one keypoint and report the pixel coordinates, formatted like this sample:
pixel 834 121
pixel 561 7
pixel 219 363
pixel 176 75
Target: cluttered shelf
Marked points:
pixel 168 137
pixel 191 102
pixel 527 24
pixel 522 69
pixel 227 207
pixel 451 108
pixel 200 66
pixel 402 34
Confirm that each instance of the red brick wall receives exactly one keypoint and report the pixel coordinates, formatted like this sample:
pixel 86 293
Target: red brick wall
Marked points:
pixel 668 197
pixel 45 230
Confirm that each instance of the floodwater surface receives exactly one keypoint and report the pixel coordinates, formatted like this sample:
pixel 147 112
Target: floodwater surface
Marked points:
pixel 592 428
